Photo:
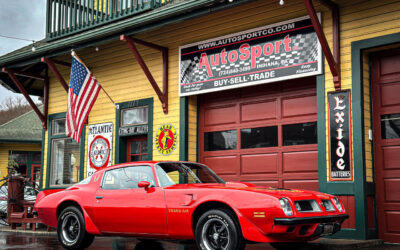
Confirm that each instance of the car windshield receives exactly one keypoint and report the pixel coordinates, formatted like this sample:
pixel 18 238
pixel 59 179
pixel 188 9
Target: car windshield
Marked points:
pixel 172 173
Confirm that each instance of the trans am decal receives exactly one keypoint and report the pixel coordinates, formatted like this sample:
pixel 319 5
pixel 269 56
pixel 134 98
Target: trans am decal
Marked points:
pixel 271 53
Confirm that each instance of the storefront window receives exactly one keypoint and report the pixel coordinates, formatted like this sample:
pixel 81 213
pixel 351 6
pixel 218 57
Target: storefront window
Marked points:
pixel 134 116
pixel 65 156
pixel 58 127
pixel 21 158
pixel 390 126
pixel 298 134
pixel 65 160
pixel 220 140
pixel 259 137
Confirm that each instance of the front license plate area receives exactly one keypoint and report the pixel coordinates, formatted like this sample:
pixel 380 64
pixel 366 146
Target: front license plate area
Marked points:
pixel 328 228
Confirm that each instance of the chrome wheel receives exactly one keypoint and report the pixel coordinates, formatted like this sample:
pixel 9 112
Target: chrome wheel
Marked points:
pixel 215 234
pixel 71 228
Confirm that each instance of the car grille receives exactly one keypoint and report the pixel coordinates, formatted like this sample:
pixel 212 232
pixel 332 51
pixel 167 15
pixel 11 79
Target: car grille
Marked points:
pixel 307 206
pixel 328 205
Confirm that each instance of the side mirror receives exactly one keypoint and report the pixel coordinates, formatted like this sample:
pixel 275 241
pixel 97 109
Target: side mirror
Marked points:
pixel 144 184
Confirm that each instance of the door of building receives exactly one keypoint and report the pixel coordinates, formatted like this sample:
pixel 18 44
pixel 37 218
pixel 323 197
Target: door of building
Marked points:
pixel 137 148
pixel 265 134
pixel 386 123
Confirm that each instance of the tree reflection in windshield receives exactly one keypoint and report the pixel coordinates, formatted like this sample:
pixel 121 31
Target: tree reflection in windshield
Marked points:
pixel 172 173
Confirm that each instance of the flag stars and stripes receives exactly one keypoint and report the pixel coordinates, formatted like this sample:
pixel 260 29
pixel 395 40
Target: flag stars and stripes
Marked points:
pixel 83 92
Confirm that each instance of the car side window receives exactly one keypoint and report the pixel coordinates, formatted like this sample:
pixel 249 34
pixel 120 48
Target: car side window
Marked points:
pixel 128 177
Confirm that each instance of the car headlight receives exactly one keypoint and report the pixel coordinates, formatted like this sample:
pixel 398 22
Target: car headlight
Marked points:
pixel 287 209
pixel 337 204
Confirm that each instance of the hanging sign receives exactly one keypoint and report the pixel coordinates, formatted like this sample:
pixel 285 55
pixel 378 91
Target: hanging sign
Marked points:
pixel 266 54
pixel 340 136
pixel 166 139
pixel 99 147
pixel 133 130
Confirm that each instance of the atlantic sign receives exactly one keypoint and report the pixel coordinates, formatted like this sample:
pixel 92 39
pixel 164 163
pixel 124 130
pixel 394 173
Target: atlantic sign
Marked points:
pixel 266 54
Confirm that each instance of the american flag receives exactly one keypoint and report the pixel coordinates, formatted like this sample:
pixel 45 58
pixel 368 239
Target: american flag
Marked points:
pixel 82 94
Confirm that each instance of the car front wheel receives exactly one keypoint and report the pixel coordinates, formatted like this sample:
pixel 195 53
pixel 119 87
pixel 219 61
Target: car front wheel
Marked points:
pixel 71 229
pixel 218 229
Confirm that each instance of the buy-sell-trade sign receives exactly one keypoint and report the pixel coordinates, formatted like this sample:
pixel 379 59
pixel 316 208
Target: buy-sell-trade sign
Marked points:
pixel 271 53
pixel 340 153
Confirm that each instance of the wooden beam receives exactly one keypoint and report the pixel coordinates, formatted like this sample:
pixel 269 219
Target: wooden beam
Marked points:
pixel 25 74
pixel 333 62
pixel 51 64
pixel 46 102
pixel 11 74
pixel 162 95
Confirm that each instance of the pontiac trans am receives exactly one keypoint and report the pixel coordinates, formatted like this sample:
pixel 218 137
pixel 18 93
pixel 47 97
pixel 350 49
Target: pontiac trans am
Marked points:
pixel 185 201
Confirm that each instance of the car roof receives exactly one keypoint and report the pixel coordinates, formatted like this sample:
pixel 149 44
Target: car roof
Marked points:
pixel 137 163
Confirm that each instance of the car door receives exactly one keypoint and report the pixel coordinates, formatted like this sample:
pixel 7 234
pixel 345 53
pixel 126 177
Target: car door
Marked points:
pixel 121 206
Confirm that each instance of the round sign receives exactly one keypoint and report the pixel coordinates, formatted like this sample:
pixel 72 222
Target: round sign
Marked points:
pixel 99 152
pixel 166 139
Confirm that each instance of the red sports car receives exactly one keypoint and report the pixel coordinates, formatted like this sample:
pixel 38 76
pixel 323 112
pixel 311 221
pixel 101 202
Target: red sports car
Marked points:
pixel 184 200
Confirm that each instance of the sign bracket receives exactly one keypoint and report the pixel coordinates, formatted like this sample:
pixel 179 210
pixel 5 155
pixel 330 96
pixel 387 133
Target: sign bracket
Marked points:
pixel 13 76
pixel 162 95
pixel 51 64
pixel 333 59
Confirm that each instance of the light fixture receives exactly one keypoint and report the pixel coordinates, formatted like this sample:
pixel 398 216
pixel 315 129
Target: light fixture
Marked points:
pixel 281 2
pixel 33 46
pixel 96 49
pixel 230 1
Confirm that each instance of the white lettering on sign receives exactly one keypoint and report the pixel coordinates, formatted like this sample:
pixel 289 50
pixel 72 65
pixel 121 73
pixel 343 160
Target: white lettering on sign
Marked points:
pixel 341 149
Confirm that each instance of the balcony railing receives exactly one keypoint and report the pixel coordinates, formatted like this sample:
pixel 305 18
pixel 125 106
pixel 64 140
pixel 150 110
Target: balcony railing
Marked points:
pixel 67 17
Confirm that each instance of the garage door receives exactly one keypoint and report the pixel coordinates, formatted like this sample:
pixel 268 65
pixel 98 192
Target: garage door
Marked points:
pixel 386 117
pixel 266 135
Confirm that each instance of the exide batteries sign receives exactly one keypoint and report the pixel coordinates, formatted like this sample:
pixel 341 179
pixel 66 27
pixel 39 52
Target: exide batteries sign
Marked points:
pixel 271 53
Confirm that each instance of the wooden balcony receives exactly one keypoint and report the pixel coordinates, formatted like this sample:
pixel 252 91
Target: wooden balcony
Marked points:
pixel 68 17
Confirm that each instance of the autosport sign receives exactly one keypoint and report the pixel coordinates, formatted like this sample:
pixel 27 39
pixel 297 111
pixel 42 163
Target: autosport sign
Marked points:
pixel 266 54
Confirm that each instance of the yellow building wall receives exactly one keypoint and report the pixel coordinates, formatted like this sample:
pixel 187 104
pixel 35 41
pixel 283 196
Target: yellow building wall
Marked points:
pixel 4 154
pixel 120 75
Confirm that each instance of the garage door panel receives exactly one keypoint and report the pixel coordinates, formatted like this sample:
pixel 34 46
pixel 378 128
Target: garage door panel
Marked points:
pixel 223 165
pixel 303 161
pixel 259 163
pixel 392 219
pixel 390 94
pixel 253 111
pixel 299 106
pixel 392 190
pixel 391 157
pixel 264 183
pixel 301 184
pixel 220 115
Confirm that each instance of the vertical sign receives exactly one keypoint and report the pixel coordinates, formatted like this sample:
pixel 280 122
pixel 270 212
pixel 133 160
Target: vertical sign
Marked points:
pixel 99 147
pixel 340 136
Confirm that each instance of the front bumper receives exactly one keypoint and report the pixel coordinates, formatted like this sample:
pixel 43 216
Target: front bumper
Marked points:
pixel 310 220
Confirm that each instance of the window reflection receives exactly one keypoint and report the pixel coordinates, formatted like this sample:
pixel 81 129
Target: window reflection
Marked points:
pixel 220 140
pixel 259 137
pixel 390 126
pixel 134 116
pixel 298 134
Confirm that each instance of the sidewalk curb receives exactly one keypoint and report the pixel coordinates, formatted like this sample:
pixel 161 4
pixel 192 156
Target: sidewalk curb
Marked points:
pixel 20 231
pixel 344 244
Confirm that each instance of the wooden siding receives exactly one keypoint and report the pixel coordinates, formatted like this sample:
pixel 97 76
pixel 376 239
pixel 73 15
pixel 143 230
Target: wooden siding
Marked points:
pixel 118 72
pixel 4 151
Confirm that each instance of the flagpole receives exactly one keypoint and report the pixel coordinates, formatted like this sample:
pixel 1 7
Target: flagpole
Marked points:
pixel 73 53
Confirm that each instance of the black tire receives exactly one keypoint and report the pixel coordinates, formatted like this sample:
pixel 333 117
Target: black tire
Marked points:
pixel 71 230
pixel 219 229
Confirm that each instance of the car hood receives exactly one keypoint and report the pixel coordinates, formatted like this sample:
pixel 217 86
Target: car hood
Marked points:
pixel 248 187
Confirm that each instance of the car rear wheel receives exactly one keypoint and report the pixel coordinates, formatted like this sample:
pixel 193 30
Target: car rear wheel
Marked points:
pixel 218 229
pixel 71 229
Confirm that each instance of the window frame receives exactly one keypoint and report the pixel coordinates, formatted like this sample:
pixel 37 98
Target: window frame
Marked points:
pixel 133 124
pixel 50 138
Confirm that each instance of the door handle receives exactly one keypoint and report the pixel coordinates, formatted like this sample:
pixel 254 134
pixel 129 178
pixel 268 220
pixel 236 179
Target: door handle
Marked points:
pixel 99 197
